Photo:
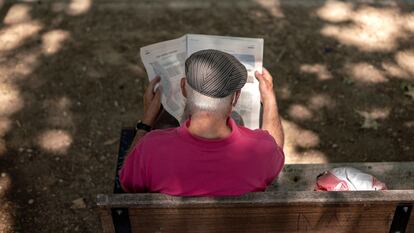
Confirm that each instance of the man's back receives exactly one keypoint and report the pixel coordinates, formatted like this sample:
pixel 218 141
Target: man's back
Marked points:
pixel 175 162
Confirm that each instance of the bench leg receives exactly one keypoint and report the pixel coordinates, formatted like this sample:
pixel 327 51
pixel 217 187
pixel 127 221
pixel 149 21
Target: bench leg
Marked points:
pixel 401 218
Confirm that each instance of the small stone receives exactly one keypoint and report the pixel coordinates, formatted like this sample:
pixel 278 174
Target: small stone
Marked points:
pixel 29 150
pixel 60 181
pixel 21 149
pixel 31 201
pixel 334 146
pixel 3 174
pixel 78 204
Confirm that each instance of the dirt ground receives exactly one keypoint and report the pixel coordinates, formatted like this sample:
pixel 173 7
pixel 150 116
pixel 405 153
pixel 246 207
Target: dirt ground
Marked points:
pixel 71 77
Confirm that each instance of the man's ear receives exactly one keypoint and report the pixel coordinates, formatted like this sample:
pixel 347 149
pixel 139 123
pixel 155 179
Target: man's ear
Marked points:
pixel 236 97
pixel 182 84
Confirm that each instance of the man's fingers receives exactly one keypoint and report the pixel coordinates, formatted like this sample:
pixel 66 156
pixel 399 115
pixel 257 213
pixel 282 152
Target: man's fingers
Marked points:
pixel 149 92
pixel 258 76
pixel 157 95
pixel 266 74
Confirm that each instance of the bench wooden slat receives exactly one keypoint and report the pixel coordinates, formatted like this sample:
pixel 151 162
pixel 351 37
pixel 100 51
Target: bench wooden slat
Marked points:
pixel 146 200
pixel 370 218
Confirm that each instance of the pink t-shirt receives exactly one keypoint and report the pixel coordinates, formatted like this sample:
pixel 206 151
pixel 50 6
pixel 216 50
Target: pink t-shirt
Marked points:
pixel 172 161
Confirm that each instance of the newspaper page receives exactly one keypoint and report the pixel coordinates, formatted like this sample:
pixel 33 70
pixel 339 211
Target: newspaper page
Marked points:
pixel 249 51
pixel 167 59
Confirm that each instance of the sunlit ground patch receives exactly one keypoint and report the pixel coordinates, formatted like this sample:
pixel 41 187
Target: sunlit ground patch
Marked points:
pixel 372 29
pixel 5 183
pixel 406 60
pixel 78 7
pixel 52 41
pixel 365 73
pixel 59 112
pixel 27 61
pixel 13 36
pixel 300 112
pixel 319 70
pixel 319 101
pixel 393 70
pixel 335 11
pixel 55 141
pixel 10 101
pixel 375 113
pixel 408 22
pixel 273 7
pixel 300 144
pixel 18 13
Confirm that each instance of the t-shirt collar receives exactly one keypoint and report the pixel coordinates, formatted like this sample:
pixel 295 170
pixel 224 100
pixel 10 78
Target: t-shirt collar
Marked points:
pixel 186 135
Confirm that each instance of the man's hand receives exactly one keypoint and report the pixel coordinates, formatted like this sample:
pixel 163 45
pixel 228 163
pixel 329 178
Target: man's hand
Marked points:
pixel 267 93
pixel 152 102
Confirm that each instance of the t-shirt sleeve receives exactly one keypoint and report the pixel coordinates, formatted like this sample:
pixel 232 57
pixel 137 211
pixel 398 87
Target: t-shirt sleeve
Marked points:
pixel 277 161
pixel 132 175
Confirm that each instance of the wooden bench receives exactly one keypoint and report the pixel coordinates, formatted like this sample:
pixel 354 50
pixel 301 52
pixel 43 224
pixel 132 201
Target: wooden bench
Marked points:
pixel 288 205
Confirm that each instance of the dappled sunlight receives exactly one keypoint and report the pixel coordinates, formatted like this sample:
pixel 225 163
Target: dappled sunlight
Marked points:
pixel 375 113
pixel 318 101
pixel 319 70
pixel 408 22
pixel 272 6
pixel 299 112
pixel 365 73
pixel 27 63
pixel 335 11
pixel 409 124
pixel 372 29
pixel 393 70
pixel 371 117
pixel 59 112
pixel 405 60
pixel 5 183
pixel 10 101
pixel 55 141
pixel 284 92
pixel 78 7
pixel 13 36
pixel 18 13
pixel 300 144
pixel 21 66
pixel 52 41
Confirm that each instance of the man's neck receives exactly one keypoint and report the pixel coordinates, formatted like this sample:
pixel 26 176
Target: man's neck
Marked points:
pixel 207 126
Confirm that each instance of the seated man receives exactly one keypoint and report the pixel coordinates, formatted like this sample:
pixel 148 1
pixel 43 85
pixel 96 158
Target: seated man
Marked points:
pixel 209 154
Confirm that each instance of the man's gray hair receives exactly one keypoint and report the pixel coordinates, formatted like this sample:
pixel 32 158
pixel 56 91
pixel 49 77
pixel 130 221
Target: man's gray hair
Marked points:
pixel 197 102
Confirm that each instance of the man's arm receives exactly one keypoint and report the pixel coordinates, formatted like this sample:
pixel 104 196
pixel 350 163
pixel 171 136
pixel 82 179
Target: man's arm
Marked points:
pixel 271 120
pixel 152 105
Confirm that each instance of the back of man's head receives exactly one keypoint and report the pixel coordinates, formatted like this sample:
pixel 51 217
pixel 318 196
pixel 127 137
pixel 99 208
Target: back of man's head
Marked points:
pixel 213 77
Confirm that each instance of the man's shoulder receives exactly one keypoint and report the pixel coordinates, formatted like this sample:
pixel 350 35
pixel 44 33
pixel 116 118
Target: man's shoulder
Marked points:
pixel 161 133
pixel 256 134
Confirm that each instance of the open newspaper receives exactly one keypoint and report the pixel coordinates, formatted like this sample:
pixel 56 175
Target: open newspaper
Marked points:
pixel 167 59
